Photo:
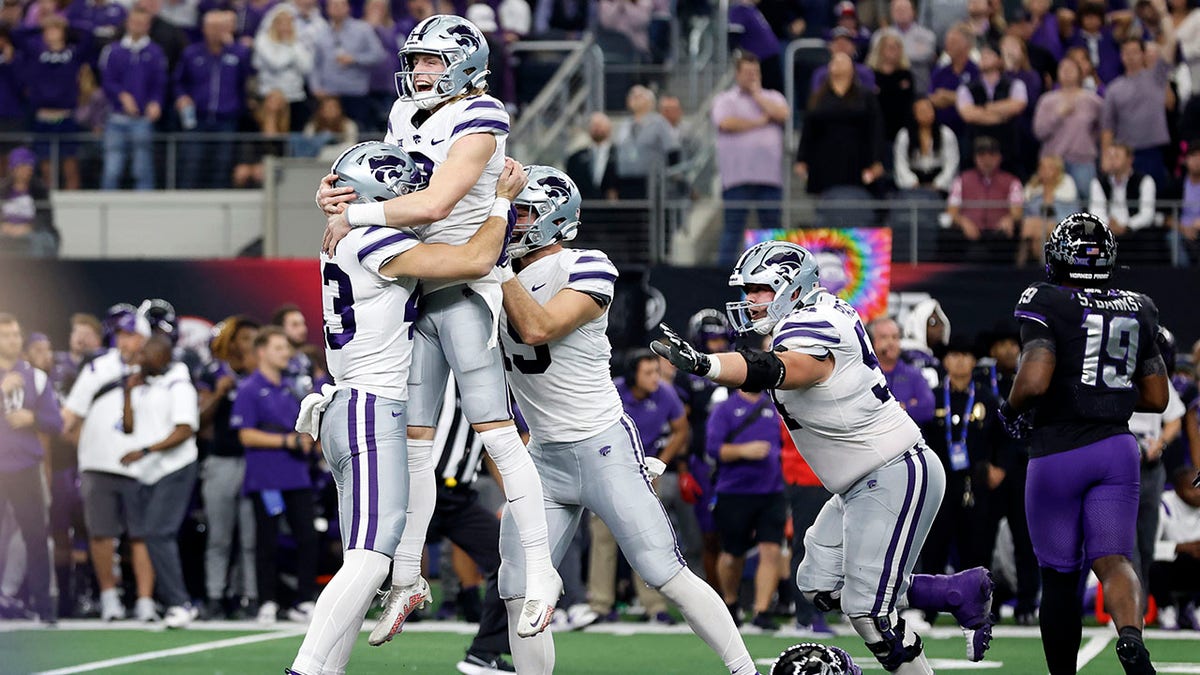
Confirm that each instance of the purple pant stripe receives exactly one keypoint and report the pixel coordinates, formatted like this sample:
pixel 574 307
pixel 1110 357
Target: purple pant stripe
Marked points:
pixel 372 478
pixel 352 418
pixel 885 578
pixel 912 531
pixel 639 456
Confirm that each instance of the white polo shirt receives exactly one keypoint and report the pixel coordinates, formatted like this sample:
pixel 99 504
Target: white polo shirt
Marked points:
pixel 99 399
pixel 160 405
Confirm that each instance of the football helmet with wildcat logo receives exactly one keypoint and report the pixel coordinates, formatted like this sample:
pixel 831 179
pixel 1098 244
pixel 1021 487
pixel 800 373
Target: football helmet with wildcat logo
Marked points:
pixel 788 269
pixel 461 47
pixel 379 171
pixel 553 201
pixel 811 658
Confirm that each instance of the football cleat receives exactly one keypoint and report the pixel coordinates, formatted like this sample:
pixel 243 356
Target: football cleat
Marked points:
pixel 540 598
pixel 398 603
pixel 970 597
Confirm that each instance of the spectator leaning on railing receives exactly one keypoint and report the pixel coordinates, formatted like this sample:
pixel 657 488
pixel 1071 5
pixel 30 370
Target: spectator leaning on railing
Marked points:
pixel 133 74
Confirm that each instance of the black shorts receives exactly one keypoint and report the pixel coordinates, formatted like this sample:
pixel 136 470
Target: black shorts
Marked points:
pixel 112 505
pixel 743 520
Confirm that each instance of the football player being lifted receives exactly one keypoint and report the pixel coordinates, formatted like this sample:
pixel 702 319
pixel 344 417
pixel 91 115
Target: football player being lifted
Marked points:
pixel 446 122
pixel 825 380
pixel 368 292
pixel 587 450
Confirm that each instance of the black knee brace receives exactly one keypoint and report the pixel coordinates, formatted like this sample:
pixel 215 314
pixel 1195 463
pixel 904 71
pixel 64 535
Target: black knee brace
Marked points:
pixel 890 651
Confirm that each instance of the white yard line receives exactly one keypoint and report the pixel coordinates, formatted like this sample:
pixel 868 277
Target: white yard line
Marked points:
pixel 167 653
pixel 1091 649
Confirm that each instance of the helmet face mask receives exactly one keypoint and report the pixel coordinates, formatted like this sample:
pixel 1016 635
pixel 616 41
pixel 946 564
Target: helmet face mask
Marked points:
pixel 463 50
pixel 553 202
pixel 379 171
pixel 1080 251
pixel 811 658
pixel 787 269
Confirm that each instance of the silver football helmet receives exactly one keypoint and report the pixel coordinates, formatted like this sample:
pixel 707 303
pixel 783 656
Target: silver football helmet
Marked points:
pixel 461 47
pixel 553 202
pixel 810 658
pixel 378 171
pixel 788 269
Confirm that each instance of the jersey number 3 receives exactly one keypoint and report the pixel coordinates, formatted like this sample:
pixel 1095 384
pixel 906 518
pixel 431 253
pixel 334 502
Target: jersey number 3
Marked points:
pixel 1115 363
pixel 343 306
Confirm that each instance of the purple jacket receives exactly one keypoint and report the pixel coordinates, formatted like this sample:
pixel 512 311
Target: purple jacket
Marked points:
pixel 746 477
pixel 653 415
pixel 946 78
pixel 1109 66
pixel 1045 35
pixel 756 34
pixel 272 408
pixel 215 82
pixel 51 78
pixel 141 72
pixel 12 101
pixel 21 449
pixel 912 391
pixel 104 23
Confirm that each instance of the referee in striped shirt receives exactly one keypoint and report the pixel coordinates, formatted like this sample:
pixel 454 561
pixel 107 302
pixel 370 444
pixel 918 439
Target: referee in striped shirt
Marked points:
pixel 476 530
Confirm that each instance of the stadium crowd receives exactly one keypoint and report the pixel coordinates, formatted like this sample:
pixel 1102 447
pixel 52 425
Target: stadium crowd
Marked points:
pixel 203 503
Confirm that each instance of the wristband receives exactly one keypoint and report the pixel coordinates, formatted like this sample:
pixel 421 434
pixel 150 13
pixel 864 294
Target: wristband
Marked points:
pixel 364 215
pixel 714 368
pixel 500 208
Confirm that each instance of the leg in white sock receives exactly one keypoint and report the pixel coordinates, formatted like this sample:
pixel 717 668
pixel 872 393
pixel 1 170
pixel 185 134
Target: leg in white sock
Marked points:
pixel 340 610
pixel 531 655
pixel 340 654
pixel 523 489
pixel 708 617
pixel 422 497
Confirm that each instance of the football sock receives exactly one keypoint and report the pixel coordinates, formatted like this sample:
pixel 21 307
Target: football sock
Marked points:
pixel 531 655
pixel 927 592
pixel 422 498
pixel 339 611
pixel 708 617
pixel 1061 620
pixel 523 489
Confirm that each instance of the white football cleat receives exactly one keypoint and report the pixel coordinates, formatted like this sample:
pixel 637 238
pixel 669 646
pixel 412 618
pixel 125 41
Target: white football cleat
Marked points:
pixel 398 604
pixel 180 616
pixel 540 599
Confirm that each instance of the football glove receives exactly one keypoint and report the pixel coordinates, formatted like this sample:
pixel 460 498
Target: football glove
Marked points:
pixel 681 353
pixel 1018 425
pixel 689 488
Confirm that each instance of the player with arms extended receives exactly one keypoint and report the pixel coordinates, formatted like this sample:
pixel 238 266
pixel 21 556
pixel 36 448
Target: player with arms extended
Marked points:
pixel 369 290
pixel 587 450
pixel 826 382
pixel 1088 361
pixel 445 120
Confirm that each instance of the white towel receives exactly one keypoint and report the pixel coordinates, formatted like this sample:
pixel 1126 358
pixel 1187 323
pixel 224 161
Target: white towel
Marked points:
pixel 654 466
pixel 309 420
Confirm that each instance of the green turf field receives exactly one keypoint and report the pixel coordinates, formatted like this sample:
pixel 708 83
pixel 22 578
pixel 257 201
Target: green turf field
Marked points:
pixel 78 647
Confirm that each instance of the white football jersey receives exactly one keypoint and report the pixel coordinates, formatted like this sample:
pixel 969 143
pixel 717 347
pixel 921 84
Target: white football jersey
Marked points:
pixel 850 424
pixel 429 143
pixel 563 387
pixel 367 316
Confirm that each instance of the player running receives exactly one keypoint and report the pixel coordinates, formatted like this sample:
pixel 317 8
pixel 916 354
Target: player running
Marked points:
pixel 445 120
pixel 825 380
pixel 1088 361
pixel 369 288
pixel 587 450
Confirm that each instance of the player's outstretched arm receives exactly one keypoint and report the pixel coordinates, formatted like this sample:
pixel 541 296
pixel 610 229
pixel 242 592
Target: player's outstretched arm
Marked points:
pixel 450 182
pixel 474 258
pixel 538 324
pixel 747 369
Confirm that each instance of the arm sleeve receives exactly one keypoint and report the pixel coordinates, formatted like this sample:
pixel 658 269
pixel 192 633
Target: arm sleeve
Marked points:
pixel 244 414
pixel 809 333
pixel 185 405
pixel 594 274
pixel 381 244
pixel 922 411
pixel 108 76
pixel 905 178
pixel 481 117
pixel 1033 313
pixel 1045 119
pixel 1145 210
pixel 1148 325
